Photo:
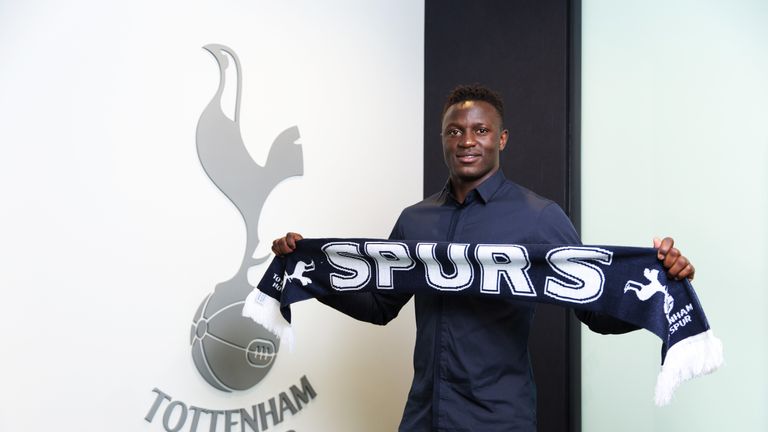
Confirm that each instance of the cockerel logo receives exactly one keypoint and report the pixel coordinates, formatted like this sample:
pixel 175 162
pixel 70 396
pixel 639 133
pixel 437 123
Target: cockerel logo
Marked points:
pixel 230 351
pixel 298 273
pixel 646 291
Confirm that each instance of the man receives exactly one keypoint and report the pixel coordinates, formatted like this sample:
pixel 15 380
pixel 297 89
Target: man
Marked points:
pixel 471 363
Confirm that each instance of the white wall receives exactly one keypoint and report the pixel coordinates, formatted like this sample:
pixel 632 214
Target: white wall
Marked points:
pixel 675 143
pixel 112 234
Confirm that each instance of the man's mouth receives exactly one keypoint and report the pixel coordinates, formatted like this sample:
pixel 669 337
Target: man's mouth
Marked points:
pixel 467 157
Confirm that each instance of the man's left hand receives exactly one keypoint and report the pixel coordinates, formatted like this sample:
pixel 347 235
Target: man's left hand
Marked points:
pixel 678 266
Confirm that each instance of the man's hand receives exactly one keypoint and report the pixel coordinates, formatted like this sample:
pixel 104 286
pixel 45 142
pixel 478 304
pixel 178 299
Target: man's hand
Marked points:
pixel 678 266
pixel 287 244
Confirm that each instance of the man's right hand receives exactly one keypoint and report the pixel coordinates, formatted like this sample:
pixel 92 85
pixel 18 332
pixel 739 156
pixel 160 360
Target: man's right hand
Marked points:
pixel 287 244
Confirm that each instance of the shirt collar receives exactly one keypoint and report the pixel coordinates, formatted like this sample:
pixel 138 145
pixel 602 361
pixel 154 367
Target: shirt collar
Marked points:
pixel 486 189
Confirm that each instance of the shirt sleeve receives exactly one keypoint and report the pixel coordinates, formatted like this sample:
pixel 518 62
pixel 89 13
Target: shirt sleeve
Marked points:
pixel 556 228
pixel 375 308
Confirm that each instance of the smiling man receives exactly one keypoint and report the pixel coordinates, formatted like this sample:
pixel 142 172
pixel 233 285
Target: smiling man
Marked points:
pixel 471 364
pixel 473 137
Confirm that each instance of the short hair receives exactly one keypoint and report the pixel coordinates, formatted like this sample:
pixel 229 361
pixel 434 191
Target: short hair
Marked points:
pixel 475 92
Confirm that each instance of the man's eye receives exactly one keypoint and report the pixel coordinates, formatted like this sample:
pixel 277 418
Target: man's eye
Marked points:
pixel 453 132
pixel 482 131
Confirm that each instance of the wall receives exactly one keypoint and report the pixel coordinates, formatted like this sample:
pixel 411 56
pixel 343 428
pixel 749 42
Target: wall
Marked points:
pixel 674 143
pixel 112 234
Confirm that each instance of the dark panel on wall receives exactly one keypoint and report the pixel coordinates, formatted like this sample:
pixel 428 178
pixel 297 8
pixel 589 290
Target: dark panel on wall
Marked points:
pixel 523 49
pixel 573 198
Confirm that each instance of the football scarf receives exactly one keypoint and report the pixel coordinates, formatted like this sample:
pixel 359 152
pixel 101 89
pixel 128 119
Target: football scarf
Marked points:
pixel 628 283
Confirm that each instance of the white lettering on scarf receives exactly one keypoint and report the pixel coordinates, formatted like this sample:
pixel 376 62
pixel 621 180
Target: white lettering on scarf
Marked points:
pixel 582 280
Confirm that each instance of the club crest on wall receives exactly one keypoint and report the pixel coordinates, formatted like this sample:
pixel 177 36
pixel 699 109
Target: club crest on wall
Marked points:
pixel 232 352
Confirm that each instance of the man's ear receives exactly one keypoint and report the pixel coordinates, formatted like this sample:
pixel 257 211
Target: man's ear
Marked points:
pixel 503 139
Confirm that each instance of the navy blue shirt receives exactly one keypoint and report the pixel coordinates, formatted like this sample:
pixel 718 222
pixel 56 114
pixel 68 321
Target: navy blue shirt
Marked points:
pixel 471 365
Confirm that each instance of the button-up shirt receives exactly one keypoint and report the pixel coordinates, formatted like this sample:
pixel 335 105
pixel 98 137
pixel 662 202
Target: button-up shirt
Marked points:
pixel 471 365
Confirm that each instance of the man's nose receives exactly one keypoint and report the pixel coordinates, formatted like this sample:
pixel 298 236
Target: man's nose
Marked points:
pixel 469 140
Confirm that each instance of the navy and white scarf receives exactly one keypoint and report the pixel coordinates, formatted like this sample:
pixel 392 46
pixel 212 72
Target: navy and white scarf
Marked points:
pixel 628 283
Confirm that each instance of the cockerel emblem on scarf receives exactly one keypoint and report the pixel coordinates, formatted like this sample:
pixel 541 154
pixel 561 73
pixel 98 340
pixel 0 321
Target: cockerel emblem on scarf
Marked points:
pixel 645 291
pixel 298 273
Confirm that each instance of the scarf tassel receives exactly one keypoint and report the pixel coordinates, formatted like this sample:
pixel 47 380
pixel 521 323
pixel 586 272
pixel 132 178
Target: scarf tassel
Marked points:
pixel 265 310
pixel 694 356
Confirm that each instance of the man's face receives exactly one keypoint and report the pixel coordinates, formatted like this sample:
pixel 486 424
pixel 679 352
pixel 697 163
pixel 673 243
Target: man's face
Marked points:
pixel 472 140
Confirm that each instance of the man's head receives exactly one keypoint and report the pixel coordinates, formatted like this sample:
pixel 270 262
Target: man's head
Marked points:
pixel 475 92
pixel 473 136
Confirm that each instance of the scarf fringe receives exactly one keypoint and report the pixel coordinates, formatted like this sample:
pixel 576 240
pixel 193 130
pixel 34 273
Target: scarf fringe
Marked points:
pixel 265 310
pixel 691 357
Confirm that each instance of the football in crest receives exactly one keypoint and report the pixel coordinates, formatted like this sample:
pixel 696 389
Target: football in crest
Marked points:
pixel 231 352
